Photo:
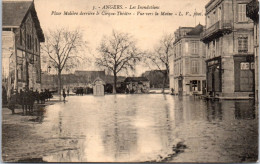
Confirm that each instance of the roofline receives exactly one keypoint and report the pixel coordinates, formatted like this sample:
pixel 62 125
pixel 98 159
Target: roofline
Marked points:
pixel 185 27
pixel 209 3
pixel 185 37
pixel 32 6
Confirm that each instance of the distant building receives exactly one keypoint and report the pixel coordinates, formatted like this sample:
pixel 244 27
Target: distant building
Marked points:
pixel 156 78
pixel 78 79
pixel 137 84
pixel 229 45
pixel 187 65
pixel 69 81
pixel 21 37
pixel 252 9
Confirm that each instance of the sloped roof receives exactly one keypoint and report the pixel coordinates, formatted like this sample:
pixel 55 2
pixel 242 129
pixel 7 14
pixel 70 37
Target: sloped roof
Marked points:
pixel 90 73
pixel 136 79
pixel 99 79
pixel 110 79
pixel 196 30
pixel 146 73
pixel 14 13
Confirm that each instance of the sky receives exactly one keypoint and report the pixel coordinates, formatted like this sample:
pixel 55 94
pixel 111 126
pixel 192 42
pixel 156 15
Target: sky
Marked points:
pixel 147 30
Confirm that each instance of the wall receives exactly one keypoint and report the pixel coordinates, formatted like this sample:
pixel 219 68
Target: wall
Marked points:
pixel 28 49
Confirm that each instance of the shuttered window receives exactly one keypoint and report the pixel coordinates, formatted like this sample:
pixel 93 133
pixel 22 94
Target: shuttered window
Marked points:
pixel 242 13
pixel 243 44
pixel 194 47
pixel 194 67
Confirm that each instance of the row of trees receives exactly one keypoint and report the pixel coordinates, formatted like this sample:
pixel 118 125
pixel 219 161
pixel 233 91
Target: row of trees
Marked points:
pixel 65 49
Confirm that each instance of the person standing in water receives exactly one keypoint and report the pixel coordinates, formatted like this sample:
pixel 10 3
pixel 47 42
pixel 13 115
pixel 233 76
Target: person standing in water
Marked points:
pixel 64 94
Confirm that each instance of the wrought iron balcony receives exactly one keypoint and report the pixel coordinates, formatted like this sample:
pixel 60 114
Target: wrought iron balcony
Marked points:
pixel 217 30
pixel 252 10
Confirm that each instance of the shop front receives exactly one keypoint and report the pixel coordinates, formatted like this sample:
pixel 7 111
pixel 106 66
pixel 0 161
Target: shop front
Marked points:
pixel 244 68
pixel 214 75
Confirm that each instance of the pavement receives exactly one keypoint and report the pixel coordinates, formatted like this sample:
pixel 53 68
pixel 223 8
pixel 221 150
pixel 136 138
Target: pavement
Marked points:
pixel 18 131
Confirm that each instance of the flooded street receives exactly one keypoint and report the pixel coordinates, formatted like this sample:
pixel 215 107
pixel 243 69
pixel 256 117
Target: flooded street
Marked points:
pixel 142 128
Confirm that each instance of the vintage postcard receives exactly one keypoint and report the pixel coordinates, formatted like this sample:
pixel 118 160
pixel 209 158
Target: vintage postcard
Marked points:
pixel 130 81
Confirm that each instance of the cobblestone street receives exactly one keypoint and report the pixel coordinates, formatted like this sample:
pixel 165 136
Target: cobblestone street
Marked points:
pixel 134 128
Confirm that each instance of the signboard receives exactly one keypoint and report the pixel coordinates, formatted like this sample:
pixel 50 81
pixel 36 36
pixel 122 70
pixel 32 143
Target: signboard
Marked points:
pixel 244 66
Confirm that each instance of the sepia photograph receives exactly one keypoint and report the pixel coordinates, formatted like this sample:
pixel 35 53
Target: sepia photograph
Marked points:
pixel 169 81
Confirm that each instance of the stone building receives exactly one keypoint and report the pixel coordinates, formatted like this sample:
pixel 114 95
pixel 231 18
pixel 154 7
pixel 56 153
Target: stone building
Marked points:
pixel 82 79
pixel 252 9
pixel 187 65
pixel 229 47
pixel 137 84
pixel 21 37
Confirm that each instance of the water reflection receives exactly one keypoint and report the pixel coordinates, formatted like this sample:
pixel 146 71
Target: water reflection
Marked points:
pixel 137 128
pixel 245 110
pixel 214 111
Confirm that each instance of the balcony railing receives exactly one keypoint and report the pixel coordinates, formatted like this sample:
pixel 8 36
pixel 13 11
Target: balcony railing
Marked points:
pixel 215 30
pixel 252 10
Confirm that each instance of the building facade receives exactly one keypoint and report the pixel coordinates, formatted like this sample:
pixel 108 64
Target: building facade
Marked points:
pixel 229 47
pixel 187 65
pixel 21 37
pixel 137 84
pixel 252 9
pixel 78 79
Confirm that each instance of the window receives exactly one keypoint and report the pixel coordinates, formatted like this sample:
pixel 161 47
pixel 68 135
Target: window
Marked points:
pixel 180 49
pixel 28 41
pixel 36 44
pixel 213 48
pixel 194 67
pixel 208 21
pixel 242 44
pixel 219 14
pixel 194 47
pixel 175 51
pixel 175 69
pixel 242 13
pixel 180 68
pixel 21 37
pixel 214 17
pixel 7 29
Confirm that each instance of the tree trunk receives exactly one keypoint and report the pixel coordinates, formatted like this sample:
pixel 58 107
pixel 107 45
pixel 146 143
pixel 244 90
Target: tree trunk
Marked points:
pixel 59 83
pixel 164 80
pixel 115 81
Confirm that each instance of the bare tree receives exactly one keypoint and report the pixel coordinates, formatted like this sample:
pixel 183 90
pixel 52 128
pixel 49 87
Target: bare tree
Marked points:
pixel 64 49
pixel 159 58
pixel 118 52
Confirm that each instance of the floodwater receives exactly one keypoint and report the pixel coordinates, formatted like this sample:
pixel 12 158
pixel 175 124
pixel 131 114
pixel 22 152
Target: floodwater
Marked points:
pixel 148 128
